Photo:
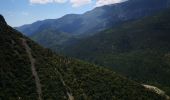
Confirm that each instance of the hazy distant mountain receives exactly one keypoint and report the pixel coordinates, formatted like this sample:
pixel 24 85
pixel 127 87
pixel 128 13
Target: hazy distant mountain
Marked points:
pixel 99 18
pixel 137 49
pixel 30 72
pixel 56 33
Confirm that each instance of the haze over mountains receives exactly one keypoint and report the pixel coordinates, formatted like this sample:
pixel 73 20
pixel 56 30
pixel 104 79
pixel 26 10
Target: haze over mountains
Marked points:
pixel 99 18
pixel 30 72
pixel 54 33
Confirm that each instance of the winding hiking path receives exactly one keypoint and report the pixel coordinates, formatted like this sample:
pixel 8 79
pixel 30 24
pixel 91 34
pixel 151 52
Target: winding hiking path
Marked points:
pixel 68 90
pixel 34 72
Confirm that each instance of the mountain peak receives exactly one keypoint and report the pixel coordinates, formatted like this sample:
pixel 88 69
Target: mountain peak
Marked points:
pixel 2 20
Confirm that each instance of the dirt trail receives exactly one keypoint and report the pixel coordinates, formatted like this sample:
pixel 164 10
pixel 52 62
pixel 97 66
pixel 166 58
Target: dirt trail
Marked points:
pixel 68 90
pixel 34 72
pixel 156 90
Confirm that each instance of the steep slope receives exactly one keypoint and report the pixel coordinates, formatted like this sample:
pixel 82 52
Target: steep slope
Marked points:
pixel 33 69
pixel 30 72
pixel 138 49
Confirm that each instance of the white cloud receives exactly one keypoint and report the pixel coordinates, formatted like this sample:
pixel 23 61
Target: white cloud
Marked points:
pixel 47 1
pixel 60 1
pixel 40 1
pixel 75 3
pixel 78 3
pixel 107 2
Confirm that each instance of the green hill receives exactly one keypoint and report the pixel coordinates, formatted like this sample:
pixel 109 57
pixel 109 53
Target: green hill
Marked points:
pixel 30 72
pixel 138 49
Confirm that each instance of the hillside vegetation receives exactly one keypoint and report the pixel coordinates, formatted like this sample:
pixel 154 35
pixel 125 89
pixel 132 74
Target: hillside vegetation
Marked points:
pixel 30 72
pixel 137 49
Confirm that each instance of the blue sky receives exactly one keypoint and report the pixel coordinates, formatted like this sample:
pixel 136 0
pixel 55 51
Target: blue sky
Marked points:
pixel 19 12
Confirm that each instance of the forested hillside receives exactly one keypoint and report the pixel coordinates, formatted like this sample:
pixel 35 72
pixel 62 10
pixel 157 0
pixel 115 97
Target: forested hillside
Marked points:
pixel 138 49
pixel 31 72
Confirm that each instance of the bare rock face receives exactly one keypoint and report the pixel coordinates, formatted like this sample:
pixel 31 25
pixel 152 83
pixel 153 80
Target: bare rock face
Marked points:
pixel 2 20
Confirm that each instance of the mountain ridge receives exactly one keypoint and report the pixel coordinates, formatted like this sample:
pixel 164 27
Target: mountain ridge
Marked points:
pixel 57 33
pixel 2 20
pixel 101 18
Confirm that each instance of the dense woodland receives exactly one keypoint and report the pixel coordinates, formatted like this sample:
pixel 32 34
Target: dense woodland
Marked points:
pixel 85 81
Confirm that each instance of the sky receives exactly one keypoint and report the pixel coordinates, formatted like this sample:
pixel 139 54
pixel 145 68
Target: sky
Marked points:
pixel 20 12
